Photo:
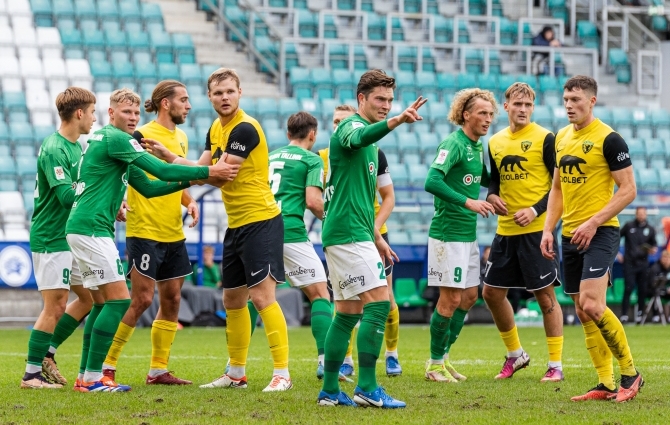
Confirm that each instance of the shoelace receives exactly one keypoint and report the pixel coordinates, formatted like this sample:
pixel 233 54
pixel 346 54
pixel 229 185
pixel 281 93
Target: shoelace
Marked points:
pixel 383 395
pixel 276 380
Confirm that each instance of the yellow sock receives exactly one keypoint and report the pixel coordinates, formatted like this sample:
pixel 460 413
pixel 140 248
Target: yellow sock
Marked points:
pixel 121 337
pixel 277 333
pixel 600 354
pixel 392 332
pixel 511 340
pixel 350 348
pixel 162 336
pixel 613 333
pixel 238 335
pixel 555 344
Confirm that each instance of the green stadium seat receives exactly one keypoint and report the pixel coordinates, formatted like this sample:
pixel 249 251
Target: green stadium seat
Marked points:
pixel 428 60
pixel 121 71
pixel 111 27
pixel 376 27
pixel 190 74
pixel 344 84
pixel 239 20
pixel 4 134
pixel 200 106
pixel 338 56
pixel 300 82
pixel 139 42
pixel 636 149
pixel 101 56
pixel 411 159
pixel 659 23
pixel 562 298
pixel 26 151
pixel 26 166
pixel 86 25
pixel 323 84
pixel 151 12
pixel 644 132
pixel 360 58
pixel 327 107
pixel 489 81
pixel 397 32
pixel 85 9
pixel 42 12
pixel 467 80
pixel 429 142
pixel 42 132
pixel 183 47
pixel 161 44
pixel 7 166
pixel 444 29
pixel 14 101
pixel 287 107
pixel 622 118
pixel 108 11
pixel 408 143
pixel 276 138
pixel 420 127
pixel 508 32
pixel 406 293
pixel 93 39
pixel 21 133
pixel 426 83
pixel 398 172
pixel 406 86
pixel 329 26
pixel 587 34
pixel 436 112
pixel 617 58
pixel 558 9
pixel 71 38
pixel 8 184
pixel 389 144
pixel 168 71
pixel 474 61
pixel 412 6
pixel 308 23
pixel 417 174
pixel 129 12
pixel 145 71
pixel 664 177
pixel 266 107
pixel 660 118
pixel 63 9
pixel 649 180
pixel 406 57
pixel 549 84
pixel 602 113
pixel 543 116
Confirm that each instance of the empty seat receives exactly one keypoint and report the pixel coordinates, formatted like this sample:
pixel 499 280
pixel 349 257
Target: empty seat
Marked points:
pixel 151 12
pixel 266 107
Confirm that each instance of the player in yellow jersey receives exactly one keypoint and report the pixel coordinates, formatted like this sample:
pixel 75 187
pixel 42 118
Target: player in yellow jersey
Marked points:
pixel 522 164
pixel 155 241
pixel 253 260
pixel 590 159
pixel 382 213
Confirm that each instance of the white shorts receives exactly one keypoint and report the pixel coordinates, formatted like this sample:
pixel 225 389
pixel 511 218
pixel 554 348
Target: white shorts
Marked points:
pixel 453 264
pixel 98 259
pixel 354 268
pixel 302 266
pixel 56 270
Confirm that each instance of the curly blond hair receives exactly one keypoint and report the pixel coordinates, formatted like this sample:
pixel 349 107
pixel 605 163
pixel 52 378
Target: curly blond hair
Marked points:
pixel 465 100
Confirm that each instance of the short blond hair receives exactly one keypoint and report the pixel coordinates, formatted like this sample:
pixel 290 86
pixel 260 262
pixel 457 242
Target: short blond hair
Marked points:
pixel 521 89
pixel 465 100
pixel 71 100
pixel 223 74
pixel 345 107
pixel 124 95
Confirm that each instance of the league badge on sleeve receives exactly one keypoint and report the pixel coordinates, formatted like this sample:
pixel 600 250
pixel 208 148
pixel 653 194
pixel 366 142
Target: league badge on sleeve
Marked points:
pixel 60 174
pixel 441 156
pixel 136 145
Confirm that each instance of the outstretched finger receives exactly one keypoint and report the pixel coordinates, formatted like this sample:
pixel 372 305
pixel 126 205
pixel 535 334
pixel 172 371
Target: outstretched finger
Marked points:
pixel 418 102
pixel 423 102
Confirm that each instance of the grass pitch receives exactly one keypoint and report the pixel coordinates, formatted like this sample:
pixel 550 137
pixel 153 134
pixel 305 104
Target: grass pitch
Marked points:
pixel 200 355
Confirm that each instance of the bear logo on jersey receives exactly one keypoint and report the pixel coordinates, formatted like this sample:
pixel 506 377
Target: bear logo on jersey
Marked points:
pixel 510 161
pixel 587 146
pixel 525 145
pixel 569 162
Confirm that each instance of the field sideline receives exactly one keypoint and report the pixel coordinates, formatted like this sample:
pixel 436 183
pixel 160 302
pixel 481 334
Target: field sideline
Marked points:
pixel 199 354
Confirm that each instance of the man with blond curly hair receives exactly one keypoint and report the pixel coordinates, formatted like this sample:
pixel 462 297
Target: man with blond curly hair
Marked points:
pixel 454 179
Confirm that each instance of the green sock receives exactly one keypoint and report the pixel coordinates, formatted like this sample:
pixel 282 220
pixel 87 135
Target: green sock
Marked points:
pixel 457 321
pixel 335 348
pixel 254 315
pixel 38 345
pixel 64 328
pixel 104 328
pixel 88 328
pixel 322 317
pixel 439 334
pixel 370 339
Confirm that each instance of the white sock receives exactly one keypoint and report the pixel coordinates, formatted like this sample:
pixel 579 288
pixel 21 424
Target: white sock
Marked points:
pixel 92 376
pixel 515 353
pixel 438 361
pixel 236 372
pixel 556 365
pixel 155 372
pixel 320 359
pixel 349 360
pixel 393 353
pixel 52 349
pixel 108 366
pixel 446 357
pixel 80 376
pixel 31 368
pixel 282 372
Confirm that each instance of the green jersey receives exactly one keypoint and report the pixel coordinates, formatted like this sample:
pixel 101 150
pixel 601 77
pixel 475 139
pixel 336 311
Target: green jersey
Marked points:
pixel 103 177
pixel 350 186
pixel 462 162
pixel 56 165
pixel 292 169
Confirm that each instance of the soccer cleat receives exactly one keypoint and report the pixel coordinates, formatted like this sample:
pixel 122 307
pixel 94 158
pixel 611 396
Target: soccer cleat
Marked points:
pixel 166 378
pixel 105 385
pixel 457 376
pixel 343 378
pixel 393 367
pixel 225 372
pixel 377 398
pixel 347 369
pixel 225 381
pixel 630 386
pixel 39 382
pixel 438 373
pixel 110 373
pixel 512 364
pixel 553 375
pixel 51 372
pixel 319 371
pixel 599 392
pixel 278 383
pixel 340 399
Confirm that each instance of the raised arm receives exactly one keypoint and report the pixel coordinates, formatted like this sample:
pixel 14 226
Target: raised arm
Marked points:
pixel 148 188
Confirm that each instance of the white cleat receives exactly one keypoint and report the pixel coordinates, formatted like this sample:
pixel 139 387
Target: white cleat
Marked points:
pixel 225 381
pixel 279 383
pixel 438 373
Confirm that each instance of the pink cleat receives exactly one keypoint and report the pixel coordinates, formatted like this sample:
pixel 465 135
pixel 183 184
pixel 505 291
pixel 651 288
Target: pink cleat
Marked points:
pixel 553 375
pixel 512 364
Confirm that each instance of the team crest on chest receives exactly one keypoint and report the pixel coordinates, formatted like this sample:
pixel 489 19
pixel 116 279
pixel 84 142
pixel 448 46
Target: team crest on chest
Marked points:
pixel 183 147
pixel 587 146
pixel 525 145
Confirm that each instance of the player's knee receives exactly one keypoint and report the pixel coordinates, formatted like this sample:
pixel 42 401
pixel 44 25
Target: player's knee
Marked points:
pixel 140 302
pixel 593 308
pixel 491 295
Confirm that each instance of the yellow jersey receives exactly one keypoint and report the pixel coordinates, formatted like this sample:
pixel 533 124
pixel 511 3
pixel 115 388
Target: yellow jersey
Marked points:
pixel 522 164
pixel 382 168
pixel 158 219
pixel 248 199
pixel 585 160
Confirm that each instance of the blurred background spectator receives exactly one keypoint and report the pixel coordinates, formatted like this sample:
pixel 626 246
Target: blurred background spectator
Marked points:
pixel 211 276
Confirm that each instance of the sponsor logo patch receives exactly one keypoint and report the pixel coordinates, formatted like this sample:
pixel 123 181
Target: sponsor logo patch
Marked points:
pixel 433 272
pixel 622 156
pixel 238 146
pixel 357 124
pixel 136 145
pixel 60 174
pixel 93 272
pixel 301 271
pixel 352 279
pixel 441 156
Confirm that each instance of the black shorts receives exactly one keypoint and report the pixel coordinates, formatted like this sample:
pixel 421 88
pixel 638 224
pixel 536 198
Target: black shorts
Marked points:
pixel 593 263
pixel 252 252
pixel 158 260
pixel 388 266
pixel 517 262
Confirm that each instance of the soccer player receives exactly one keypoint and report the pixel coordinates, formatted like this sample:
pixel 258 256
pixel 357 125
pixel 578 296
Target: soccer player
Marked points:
pixel 590 159
pixel 354 246
pixel 254 242
pixel 295 180
pixel 454 179
pixel 382 213
pixel 56 272
pixel 104 171
pixel 155 242
pixel 522 164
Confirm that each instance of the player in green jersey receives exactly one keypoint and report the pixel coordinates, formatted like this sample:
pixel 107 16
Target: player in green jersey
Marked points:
pixel 55 269
pixel 454 179
pixel 354 247
pixel 104 172
pixel 296 180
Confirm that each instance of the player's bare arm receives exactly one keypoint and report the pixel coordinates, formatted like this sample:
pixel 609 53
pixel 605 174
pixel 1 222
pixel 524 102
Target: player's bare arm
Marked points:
pixel 314 201
pixel 386 207
pixel 625 181
pixel 191 207
pixel 384 249
pixel 554 212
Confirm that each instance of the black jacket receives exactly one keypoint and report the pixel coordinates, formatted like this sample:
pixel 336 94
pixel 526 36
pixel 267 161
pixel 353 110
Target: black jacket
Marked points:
pixel 638 238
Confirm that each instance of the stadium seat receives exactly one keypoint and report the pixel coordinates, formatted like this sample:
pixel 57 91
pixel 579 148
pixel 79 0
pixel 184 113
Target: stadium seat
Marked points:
pixel 7 166
pixel 42 12
pixel 139 42
pixel 407 58
pixel 338 56
pixel 406 85
pixel 151 12
pixel 116 40
pixel 308 23
pixel 649 180
pixel 399 173
pixel 467 80
pixel 108 11
pixel 200 106
pixel 190 74
pixel 145 71
pixel 636 149
pixel 603 113
pixel 344 84
pixel 622 118
pixel 71 38
pixel 406 293
pixel 397 237
pixel 426 83
pixel 63 9
pixel 587 34
pixel 411 159
pixel 129 11
pixel 301 84
pixel 329 26
pixel 266 107
pixel 183 47
pixel 408 142
pixel 287 107
pixel 161 44
pixel 323 84
pixel 417 174
pixel 376 27
pixel 664 177
pixel 168 71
